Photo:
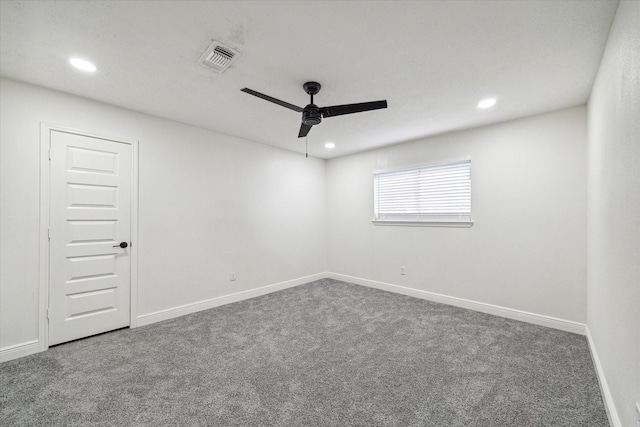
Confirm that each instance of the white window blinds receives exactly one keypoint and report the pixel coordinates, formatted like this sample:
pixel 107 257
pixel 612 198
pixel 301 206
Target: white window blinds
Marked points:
pixel 432 193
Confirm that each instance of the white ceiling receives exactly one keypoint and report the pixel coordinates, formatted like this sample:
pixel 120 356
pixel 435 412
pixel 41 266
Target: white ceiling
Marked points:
pixel 431 60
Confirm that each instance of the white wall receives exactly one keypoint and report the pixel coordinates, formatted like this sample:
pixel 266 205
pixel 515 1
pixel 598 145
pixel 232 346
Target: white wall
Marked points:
pixel 613 290
pixel 209 204
pixel 527 248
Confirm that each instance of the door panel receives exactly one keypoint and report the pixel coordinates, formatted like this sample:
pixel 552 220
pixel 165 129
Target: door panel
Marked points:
pixel 92 231
pixel 97 196
pixel 90 214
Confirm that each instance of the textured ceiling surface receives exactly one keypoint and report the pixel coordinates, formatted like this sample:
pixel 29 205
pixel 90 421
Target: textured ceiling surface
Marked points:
pixel 431 60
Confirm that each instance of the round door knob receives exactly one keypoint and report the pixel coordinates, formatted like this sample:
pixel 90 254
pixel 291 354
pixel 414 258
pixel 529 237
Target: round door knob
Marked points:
pixel 122 245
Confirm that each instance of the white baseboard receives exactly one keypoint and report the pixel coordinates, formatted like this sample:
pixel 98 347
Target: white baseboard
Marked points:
pixel 31 347
pixel 614 419
pixel 170 313
pixel 510 313
pixel 19 350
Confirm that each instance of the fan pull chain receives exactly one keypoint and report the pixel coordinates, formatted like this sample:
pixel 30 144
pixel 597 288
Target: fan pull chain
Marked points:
pixel 306 146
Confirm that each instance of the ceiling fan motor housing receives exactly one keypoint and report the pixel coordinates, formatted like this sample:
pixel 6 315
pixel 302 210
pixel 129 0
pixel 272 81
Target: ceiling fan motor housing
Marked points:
pixel 311 115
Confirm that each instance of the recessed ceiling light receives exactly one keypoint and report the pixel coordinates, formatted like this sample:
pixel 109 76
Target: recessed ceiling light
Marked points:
pixel 83 65
pixel 486 103
pixel 329 145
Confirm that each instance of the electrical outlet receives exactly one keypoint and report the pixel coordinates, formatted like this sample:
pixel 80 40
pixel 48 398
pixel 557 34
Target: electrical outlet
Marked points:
pixel 402 273
pixel 233 276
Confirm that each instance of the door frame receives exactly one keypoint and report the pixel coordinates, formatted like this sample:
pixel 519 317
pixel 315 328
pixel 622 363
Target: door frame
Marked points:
pixel 45 200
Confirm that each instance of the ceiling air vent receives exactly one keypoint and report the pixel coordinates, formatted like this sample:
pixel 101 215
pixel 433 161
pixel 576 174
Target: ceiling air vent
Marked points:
pixel 219 57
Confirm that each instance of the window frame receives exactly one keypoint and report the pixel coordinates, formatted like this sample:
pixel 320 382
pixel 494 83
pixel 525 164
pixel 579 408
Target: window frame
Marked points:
pixel 458 223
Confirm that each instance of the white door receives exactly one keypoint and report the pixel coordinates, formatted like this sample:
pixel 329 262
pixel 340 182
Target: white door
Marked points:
pixel 90 219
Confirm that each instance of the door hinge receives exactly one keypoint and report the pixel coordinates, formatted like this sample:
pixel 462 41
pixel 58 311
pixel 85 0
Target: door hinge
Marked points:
pixel 49 153
pixel 48 313
pixel 49 234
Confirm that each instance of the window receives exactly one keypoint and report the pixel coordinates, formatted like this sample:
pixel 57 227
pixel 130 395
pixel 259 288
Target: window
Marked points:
pixel 438 194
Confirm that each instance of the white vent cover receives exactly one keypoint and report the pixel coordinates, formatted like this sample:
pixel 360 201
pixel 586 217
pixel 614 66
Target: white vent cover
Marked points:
pixel 219 57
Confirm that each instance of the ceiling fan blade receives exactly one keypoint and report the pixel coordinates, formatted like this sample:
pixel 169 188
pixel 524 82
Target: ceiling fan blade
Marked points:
pixel 271 99
pixel 338 110
pixel 304 130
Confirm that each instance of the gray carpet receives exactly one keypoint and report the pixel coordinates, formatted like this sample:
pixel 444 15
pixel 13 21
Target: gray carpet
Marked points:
pixel 323 354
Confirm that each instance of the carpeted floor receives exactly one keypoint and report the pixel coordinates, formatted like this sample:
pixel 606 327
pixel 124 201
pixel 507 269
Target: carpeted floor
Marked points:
pixel 323 354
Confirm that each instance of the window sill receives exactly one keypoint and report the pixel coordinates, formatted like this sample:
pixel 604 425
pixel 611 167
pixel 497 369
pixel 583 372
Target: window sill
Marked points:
pixel 453 224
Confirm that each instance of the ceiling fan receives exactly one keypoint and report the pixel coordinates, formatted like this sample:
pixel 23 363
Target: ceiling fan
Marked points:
pixel 312 114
